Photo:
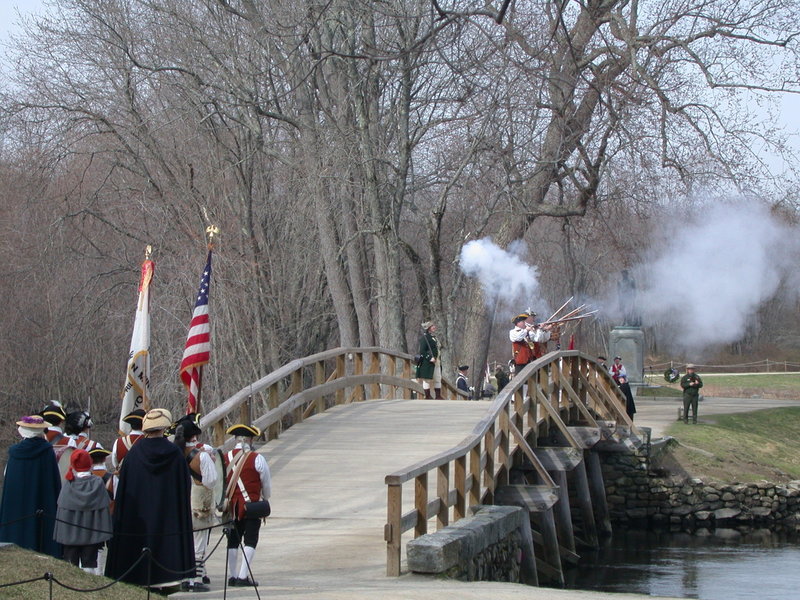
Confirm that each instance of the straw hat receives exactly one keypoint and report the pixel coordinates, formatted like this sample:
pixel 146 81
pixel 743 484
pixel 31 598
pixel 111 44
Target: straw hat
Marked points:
pixel 156 419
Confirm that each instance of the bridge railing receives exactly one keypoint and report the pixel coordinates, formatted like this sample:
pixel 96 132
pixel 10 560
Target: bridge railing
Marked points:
pixel 313 384
pixel 446 485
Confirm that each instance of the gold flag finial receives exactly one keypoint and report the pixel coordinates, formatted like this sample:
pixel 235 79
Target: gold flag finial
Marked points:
pixel 211 231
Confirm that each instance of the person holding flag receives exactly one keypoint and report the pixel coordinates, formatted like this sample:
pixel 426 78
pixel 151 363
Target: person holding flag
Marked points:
pixel 197 352
pixel 137 378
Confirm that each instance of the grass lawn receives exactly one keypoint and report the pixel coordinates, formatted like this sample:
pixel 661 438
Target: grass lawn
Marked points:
pixel 17 564
pixel 742 447
pixel 722 385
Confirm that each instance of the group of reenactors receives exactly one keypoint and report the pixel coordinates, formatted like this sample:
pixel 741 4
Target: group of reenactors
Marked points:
pixel 163 493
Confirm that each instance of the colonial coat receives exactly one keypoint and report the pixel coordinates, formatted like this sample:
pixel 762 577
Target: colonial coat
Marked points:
pixel 428 348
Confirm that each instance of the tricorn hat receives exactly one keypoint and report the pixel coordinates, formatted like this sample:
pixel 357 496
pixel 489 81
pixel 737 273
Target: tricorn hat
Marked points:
pixel 156 419
pixel 134 418
pixel 520 317
pixel 463 367
pixel 53 414
pixel 190 424
pixel 690 366
pixel 99 453
pixel 242 430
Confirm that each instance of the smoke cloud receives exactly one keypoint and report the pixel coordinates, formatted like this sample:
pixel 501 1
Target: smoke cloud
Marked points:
pixel 508 281
pixel 720 264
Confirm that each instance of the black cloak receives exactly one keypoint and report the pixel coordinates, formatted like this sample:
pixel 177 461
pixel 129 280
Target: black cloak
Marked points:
pixel 152 510
pixel 32 483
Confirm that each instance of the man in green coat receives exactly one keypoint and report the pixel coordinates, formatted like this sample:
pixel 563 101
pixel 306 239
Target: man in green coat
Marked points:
pixel 429 370
pixel 691 384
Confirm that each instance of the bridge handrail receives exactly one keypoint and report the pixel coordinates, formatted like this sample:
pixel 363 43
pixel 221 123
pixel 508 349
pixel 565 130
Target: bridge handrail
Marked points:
pixel 591 386
pixel 282 402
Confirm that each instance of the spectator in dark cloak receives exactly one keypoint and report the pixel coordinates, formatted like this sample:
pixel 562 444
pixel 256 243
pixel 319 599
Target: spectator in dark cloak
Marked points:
pixel 152 510
pixel 30 490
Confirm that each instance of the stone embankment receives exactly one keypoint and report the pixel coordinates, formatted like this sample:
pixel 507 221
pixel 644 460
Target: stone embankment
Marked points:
pixel 639 494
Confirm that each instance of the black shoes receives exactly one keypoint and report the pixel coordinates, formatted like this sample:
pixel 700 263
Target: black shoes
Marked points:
pixel 237 582
pixel 194 586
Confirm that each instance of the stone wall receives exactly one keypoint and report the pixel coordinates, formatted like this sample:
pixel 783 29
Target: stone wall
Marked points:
pixel 487 546
pixel 639 494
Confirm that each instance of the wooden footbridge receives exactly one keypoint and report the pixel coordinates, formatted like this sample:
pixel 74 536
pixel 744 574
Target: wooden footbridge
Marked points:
pixel 360 465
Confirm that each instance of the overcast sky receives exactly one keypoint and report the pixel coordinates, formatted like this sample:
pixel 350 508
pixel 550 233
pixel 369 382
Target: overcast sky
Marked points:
pixel 789 116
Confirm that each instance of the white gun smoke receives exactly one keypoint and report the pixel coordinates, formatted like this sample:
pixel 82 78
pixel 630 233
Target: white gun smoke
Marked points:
pixel 508 281
pixel 721 263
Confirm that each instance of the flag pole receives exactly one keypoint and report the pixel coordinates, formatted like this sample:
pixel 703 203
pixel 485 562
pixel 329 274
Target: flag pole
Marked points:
pixel 148 251
pixel 135 393
pixel 211 231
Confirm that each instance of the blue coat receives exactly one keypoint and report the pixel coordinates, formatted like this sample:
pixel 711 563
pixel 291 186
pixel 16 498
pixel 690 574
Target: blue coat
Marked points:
pixel 31 484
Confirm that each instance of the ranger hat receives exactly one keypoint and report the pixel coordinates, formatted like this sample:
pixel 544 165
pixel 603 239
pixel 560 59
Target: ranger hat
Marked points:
pixel 134 418
pixel 242 430
pixel 156 419
pixel 53 414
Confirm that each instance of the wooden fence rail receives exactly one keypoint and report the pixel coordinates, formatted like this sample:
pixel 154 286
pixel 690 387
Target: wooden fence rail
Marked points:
pixel 313 384
pixel 540 397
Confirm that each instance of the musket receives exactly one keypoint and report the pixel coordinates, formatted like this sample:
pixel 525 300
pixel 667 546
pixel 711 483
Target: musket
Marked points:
pixel 570 313
pixel 565 319
pixel 551 317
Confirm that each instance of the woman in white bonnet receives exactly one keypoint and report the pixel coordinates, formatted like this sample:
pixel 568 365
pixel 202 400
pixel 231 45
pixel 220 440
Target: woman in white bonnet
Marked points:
pixel 30 490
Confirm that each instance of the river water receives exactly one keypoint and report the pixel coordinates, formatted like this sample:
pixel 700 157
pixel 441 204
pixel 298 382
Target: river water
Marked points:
pixel 720 565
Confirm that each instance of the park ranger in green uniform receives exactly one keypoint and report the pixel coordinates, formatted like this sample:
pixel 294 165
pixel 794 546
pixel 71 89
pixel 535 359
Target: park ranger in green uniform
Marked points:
pixel 691 384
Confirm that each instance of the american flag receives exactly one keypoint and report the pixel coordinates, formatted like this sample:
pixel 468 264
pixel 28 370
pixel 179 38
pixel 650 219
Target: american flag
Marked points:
pixel 198 343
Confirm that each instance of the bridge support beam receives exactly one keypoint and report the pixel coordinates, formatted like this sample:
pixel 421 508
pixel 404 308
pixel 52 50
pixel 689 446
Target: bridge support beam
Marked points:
pixel 585 504
pixel 598 491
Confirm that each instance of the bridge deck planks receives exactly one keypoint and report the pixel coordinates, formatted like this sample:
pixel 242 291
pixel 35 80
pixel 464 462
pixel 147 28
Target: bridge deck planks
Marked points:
pixel 328 493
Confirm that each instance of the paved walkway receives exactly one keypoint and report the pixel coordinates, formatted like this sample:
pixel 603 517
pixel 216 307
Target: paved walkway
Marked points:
pixel 660 413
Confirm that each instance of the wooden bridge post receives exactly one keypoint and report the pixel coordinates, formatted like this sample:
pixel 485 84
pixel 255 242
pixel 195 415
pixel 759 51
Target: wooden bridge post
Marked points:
pixel 319 379
pixel 460 508
pixel 374 368
pixel 552 556
pixel 443 493
pixel 421 504
pixel 504 450
pixel 341 372
pixel 296 387
pixel 563 512
pixel 598 490
pixel 475 475
pixel 585 503
pixel 394 529
pixel 358 369
pixel 273 400
pixel 488 471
